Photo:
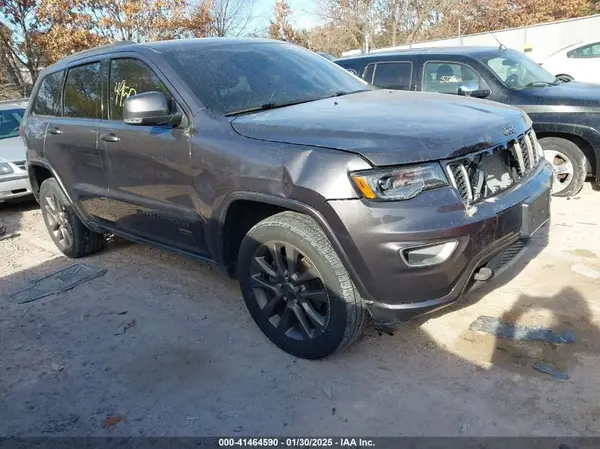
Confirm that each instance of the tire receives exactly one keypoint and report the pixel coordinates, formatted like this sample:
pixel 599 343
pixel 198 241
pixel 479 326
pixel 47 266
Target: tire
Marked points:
pixel 313 256
pixel 569 165
pixel 61 221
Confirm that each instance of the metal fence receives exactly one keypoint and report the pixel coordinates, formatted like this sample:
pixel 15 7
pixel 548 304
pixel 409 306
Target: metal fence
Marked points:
pixel 537 41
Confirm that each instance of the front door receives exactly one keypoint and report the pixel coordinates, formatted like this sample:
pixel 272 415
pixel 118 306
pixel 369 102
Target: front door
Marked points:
pixel 71 142
pixel 151 181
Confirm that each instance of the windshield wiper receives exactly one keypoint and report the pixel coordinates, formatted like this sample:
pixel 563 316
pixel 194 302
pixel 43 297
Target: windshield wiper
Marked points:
pixel 341 93
pixel 540 84
pixel 269 105
pixel 272 105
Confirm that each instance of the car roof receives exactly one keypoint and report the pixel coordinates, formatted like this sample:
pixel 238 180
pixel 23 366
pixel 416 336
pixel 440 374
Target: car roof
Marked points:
pixel 576 45
pixel 13 104
pixel 473 51
pixel 158 47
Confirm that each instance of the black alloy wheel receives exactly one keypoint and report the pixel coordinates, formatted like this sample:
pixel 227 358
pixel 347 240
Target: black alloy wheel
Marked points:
pixel 290 291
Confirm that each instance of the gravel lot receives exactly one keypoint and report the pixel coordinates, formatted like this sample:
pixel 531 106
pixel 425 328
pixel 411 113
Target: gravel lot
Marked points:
pixel 194 363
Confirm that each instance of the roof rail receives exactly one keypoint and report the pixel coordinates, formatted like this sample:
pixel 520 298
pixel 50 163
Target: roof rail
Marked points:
pixel 100 47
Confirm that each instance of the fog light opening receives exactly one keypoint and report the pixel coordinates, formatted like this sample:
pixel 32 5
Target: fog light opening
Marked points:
pixel 425 256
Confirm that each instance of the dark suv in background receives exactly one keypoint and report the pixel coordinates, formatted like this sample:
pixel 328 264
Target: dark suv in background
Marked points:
pixel 329 200
pixel 566 116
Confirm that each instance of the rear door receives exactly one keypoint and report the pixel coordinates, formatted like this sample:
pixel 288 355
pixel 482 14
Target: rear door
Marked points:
pixel 151 181
pixel 71 141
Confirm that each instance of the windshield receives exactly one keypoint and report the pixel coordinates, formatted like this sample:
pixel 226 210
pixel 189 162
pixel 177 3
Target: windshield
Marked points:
pixel 517 71
pixel 230 79
pixel 9 122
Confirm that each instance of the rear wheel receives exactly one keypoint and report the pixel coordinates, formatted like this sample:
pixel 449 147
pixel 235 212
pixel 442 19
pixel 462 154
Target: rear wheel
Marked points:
pixel 569 165
pixel 65 228
pixel 297 289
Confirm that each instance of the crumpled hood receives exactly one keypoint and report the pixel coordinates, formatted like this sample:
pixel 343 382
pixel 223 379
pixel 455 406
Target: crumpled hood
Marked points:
pixel 390 127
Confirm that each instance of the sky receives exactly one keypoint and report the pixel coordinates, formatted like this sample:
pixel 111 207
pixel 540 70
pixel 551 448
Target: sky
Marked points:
pixel 303 16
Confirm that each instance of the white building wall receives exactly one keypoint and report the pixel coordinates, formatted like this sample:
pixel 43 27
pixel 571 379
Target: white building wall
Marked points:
pixel 538 41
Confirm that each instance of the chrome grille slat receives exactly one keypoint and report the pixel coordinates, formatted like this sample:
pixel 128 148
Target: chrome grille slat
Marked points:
pixel 530 152
pixel 518 151
pixel 467 182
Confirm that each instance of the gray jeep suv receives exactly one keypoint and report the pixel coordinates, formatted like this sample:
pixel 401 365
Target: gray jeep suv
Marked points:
pixel 331 201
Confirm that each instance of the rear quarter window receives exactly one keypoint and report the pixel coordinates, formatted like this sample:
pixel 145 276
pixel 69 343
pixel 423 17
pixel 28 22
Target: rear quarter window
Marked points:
pixel 47 99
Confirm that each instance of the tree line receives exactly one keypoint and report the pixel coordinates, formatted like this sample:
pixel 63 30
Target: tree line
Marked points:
pixel 353 24
pixel 35 33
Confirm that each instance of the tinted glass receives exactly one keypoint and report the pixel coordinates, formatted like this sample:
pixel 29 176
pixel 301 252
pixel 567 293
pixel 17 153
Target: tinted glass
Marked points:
pixel 517 71
pixel 447 77
pixel 393 75
pixel 589 51
pixel 82 91
pixel 9 123
pixel 47 100
pixel 130 77
pixel 368 75
pixel 228 79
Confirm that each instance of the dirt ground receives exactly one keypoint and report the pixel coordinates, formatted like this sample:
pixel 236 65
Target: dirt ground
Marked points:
pixel 194 363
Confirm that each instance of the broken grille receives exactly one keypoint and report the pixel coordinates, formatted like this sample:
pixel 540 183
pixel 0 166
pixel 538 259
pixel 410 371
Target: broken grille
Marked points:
pixel 486 173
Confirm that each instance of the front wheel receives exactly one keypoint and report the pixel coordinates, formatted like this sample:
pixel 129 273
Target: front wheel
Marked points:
pixel 65 228
pixel 296 288
pixel 569 165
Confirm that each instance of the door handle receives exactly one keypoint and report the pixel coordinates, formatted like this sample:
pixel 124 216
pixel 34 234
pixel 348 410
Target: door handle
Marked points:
pixel 53 130
pixel 109 137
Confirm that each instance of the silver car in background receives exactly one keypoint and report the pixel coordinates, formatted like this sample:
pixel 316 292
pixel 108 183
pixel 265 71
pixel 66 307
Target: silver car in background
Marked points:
pixel 14 182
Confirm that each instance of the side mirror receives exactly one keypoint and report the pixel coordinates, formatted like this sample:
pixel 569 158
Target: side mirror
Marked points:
pixel 149 108
pixel 472 90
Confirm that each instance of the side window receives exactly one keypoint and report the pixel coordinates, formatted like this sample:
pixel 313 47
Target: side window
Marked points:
pixel 130 77
pixel 368 75
pixel 447 77
pixel 393 75
pixel 47 100
pixel 589 51
pixel 82 91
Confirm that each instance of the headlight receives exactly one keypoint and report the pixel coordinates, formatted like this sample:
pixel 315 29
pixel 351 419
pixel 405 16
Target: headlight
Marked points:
pixel 399 183
pixel 5 169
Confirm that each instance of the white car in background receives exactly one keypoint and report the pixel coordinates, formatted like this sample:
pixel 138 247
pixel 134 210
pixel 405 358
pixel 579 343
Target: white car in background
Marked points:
pixel 579 61
pixel 14 182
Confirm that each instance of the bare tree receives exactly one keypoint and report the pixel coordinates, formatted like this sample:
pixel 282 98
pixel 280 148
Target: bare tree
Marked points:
pixel 18 26
pixel 231 17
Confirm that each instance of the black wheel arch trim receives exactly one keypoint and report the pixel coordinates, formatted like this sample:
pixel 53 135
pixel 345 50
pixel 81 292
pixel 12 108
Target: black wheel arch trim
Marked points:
pixel 352 264
pixel 80 214
pixel 587 133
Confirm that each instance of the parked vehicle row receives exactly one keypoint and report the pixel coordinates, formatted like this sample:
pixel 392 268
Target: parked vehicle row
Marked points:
pixel 14 181
pixel 579 61
pixel 566 116
pixel 331 201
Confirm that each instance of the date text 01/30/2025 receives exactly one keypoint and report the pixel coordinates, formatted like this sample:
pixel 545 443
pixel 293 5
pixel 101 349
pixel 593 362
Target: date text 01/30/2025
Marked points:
pixel 296 442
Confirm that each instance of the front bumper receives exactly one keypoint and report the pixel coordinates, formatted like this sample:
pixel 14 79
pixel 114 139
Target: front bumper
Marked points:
pixel 14 186
pixel 373 233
